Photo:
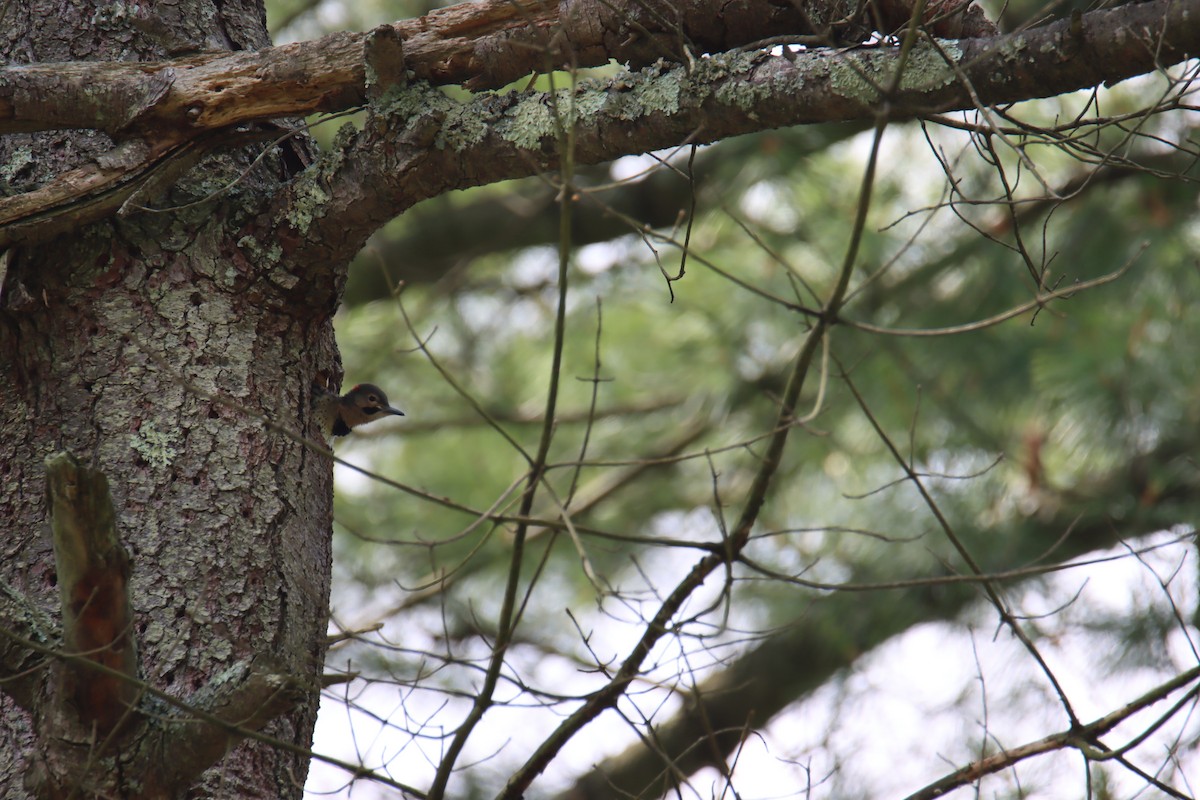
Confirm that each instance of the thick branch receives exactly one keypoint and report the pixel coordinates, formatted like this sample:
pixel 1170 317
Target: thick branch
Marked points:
pixel 93 580
pixel 425 144
pixel 452 145
pixel 98 190
pixel 431 242
pixel 483 45
pixel 199 733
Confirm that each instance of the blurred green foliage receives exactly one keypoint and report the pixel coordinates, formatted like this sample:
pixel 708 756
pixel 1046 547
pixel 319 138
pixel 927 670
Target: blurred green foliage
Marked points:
pixel 1089 381
pixel 1085 408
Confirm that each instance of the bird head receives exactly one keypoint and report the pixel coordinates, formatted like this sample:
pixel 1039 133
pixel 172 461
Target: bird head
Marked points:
pixel 364 403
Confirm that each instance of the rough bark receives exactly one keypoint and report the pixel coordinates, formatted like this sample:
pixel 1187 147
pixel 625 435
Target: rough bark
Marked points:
pixel 152 348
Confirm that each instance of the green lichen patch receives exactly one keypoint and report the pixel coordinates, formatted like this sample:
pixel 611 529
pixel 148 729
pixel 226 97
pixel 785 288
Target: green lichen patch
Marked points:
pixel 531 119
pixel 659 93
pixel 742 94
pixel 18 160
pixel 157 447
pixel 459 124
pixel 414 99
pixel 308 203
pixel 857 74
pixel 589 100
pixel 528 122
pixel 462 127
pixel 258 254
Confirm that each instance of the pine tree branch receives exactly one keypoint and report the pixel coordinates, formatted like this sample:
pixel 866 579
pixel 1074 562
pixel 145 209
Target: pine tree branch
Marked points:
pixel 424 144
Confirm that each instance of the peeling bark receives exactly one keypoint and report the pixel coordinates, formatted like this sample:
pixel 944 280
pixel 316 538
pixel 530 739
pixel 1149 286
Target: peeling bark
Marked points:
pixel 93 578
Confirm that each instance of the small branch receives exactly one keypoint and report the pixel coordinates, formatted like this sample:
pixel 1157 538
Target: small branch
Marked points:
pixel 658 627
pixel 93 584
pixel 1081 738
pixel 1042 299
pixel 99 189
pixel 509 612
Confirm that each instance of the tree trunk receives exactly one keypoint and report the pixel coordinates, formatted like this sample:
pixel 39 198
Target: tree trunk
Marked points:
pixel 151 348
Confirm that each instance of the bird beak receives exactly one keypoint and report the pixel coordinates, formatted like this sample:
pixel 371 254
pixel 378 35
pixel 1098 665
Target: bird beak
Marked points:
pixel 393 411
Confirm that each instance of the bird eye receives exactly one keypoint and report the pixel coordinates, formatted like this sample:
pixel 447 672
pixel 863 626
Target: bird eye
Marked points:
pixel 372 398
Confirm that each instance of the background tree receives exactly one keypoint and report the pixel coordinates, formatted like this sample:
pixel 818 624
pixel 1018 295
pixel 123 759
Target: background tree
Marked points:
pixel 692 437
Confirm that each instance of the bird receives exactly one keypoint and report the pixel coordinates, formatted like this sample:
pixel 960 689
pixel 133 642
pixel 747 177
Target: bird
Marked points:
pixel 364 403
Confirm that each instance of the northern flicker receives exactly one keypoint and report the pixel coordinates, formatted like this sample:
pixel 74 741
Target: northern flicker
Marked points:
pixel 337 416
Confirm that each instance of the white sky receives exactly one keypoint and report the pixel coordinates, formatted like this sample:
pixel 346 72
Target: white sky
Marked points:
pixel 905 714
